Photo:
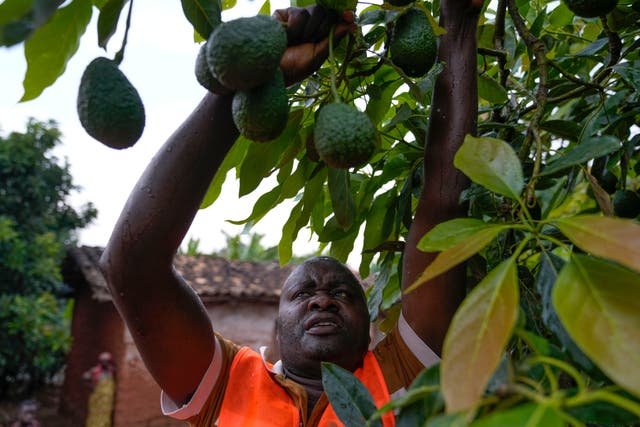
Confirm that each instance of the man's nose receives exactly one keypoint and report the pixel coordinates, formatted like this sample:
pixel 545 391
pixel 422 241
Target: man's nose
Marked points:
pixel 321 301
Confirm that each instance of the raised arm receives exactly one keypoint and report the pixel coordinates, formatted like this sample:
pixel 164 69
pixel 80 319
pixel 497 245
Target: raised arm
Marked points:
pixel 163 314
pixel 166 318
pixel 429 308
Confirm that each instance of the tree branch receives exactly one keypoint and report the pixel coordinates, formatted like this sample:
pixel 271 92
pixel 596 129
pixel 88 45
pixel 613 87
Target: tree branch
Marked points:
pixel 537 47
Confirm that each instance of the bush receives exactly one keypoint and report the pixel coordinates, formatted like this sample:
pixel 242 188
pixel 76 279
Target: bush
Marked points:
pixel 34 332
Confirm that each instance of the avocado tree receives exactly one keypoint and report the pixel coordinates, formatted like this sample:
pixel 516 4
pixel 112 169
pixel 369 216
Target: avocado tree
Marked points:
pixel 549 333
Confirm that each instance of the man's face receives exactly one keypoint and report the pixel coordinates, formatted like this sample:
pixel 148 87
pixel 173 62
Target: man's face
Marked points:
pixel 323 316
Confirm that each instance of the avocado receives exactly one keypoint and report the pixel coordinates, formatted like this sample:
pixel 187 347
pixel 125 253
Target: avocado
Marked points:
pixel 261 114
pixel 626 203
pixel 344 136
pixel 338 5
pixel 204 76
pixel 109 107
pixel 591 8
pixel 608 181
pixel 399 3
pixel 413 43
pixel 245 52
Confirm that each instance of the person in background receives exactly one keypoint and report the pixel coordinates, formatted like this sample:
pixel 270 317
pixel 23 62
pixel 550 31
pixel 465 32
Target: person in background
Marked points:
pixel 27 414
pixel 102 397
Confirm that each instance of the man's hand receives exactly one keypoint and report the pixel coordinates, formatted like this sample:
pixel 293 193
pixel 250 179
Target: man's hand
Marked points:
pixel 308 36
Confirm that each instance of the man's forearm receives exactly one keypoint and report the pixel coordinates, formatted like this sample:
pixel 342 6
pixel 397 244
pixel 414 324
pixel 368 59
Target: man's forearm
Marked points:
pixel 453 113
pixel 429 308
pixel 166 198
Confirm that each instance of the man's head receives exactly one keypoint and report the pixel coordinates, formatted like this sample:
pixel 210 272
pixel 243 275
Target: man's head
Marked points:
pixel 323 316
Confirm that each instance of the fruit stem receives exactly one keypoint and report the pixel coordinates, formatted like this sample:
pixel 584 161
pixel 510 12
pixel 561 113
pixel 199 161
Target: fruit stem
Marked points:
pixel 334 89
pixel 118 58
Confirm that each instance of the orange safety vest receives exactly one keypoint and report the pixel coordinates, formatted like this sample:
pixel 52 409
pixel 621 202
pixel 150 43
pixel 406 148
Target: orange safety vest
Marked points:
pixel 253 398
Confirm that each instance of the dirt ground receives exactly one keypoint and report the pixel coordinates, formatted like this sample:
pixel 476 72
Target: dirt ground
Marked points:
pixel 48 399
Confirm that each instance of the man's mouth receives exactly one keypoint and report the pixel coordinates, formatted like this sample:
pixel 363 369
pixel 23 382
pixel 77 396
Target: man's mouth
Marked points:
pixel 322 326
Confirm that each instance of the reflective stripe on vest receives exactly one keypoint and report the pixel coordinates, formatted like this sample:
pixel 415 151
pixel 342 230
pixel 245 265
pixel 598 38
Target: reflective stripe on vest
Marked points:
pixel 254 399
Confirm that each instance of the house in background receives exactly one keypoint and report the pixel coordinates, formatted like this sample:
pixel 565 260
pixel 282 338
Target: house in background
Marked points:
pixel 241 298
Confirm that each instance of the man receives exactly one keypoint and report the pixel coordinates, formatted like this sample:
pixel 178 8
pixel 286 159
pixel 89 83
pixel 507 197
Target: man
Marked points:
pixel 322 314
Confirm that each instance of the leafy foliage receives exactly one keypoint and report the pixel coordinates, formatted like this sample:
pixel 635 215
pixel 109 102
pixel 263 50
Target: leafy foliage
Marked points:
pixel 35 225
pixel 557 271
pixel 245 246
pixel 35 220
pixel 35 341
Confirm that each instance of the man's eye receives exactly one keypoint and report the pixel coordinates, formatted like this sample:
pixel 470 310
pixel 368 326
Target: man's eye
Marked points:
pixel 341 294
pixel 301 294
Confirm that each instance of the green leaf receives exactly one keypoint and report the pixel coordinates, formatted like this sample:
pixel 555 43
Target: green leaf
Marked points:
pixel 424 388
pixel 391 318
pixel 477 336
pixel 349 398
pixel 344 206
pixel 604 413
pixel 612 238
pixel 228 4
pixel 491 163
pixel 550 266
pixel 489 89
pixel 377 16
pixel 266 8
pixel 12 10
pixel 232 159
pixel 414 414
pixel 457 254
pixel 20 18
pixel 108 20
pixel 538 24
pixel 437 29
pixel 375 293
pixel 204 15
pixel 591 148
pixel 341 248
pixel 526 415
pixel 313 195
pixel 52 45
pixel 262 206
pixel 16 31
pixel 629 71
pixel 415 395
pixel 448 420
pixel 378 226
pixel 380 99
pixel 261 158
pixel 563 128
pixel 605 297
pixel 449 233
pixel 560 16
pixel 285 246
pixel 44 9
pixel 593 48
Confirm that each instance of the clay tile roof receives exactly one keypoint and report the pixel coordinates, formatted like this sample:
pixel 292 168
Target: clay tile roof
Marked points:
pixel 213 278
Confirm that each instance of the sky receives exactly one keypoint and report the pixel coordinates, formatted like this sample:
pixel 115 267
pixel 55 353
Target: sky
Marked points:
pixel 159 61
